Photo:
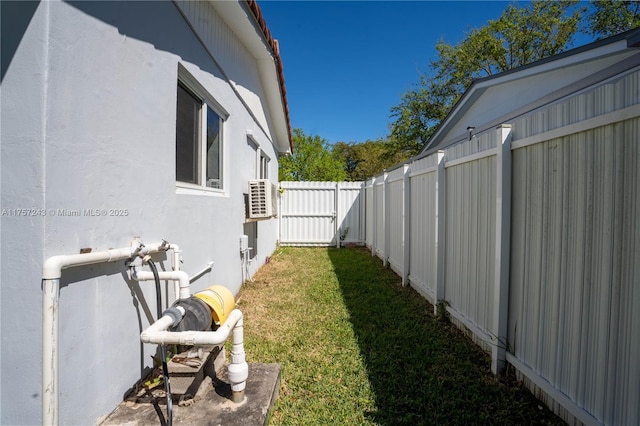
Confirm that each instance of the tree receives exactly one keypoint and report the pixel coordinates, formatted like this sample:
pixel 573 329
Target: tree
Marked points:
pixel 311 161
pixel 610 17
pixel 521 35
pixel 364 160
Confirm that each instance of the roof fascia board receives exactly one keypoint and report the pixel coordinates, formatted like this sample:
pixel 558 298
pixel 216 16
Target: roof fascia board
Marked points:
pixel 562 60
pixel 576 87
pixel 274 101
pixel 576 56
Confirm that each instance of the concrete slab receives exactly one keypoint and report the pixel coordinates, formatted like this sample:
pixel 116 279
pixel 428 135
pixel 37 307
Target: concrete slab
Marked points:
pixel 212 404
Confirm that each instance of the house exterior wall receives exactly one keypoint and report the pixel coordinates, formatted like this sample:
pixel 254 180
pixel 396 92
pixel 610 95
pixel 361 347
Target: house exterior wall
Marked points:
pixel 232 56
pixel 88 124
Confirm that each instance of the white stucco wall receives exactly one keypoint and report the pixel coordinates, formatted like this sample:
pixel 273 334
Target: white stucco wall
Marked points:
pixel 88 122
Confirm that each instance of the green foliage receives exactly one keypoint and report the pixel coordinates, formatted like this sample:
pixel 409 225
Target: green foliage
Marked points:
pixel 520 36
pixel 419 113
pixel 312 160
pixel 364 160
pixel 441 311
pixel 611 17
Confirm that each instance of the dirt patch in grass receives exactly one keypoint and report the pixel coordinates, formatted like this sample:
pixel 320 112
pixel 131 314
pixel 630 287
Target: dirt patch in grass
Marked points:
pixel 358 348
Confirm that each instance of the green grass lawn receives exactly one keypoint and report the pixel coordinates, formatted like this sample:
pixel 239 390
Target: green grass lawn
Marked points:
pixel 357 348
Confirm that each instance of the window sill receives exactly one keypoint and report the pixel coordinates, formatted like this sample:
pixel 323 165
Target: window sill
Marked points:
pixel 188 189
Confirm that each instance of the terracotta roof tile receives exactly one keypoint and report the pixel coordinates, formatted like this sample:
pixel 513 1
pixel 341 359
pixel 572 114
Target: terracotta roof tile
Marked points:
pixel 273 43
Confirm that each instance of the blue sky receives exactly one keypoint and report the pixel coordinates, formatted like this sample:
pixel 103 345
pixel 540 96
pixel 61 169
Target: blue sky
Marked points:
pixel 346 63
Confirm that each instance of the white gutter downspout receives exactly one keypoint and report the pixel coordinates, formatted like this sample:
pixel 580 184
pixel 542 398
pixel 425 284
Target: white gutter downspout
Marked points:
pixel 238 369
pixel 51 274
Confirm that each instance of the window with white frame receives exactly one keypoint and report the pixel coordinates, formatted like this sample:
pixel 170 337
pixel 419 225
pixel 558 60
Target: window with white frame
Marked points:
pixel 199 141
pixel 262 159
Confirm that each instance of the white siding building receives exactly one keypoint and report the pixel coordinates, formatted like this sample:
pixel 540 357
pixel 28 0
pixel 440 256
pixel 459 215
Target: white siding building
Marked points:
pixel 124 120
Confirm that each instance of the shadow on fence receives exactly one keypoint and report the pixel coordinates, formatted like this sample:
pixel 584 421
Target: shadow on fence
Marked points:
pixel 421 371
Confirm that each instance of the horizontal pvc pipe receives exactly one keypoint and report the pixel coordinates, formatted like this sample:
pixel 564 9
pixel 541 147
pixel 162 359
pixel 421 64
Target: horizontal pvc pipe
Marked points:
pixel 160 325
pixel 238 370
pixel 182 278
pixel 158 334
pixel 51 274
pixel 54 265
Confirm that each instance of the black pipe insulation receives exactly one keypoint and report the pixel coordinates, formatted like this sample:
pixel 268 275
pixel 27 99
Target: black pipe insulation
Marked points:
pixel 163 353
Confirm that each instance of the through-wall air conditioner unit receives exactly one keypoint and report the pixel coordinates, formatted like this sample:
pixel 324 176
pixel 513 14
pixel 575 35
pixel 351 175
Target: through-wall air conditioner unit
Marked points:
pixel 263 199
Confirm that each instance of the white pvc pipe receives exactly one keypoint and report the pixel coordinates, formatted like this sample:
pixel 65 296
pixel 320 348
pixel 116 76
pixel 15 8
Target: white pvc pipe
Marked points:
pixel 238 370
pixel 182 287
pixel 51 273
pixel 50 291
pixel 157 333
pixel 201 273
pixel 176 256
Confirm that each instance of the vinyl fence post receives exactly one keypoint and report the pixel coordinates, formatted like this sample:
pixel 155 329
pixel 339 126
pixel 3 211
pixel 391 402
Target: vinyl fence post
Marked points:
pixel 385 218
pixel 441 214
pixel 502 254
pixel 406 227
pixel 374 218
pixel 338 226
pixel 362 218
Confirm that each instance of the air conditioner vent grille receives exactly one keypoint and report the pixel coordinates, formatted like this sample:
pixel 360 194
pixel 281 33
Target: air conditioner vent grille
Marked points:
pixel 261 202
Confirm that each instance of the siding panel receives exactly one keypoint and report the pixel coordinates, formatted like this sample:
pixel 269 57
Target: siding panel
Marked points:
pixel 574 273
pixel 470 235
pixel 423 252
pixel 395 221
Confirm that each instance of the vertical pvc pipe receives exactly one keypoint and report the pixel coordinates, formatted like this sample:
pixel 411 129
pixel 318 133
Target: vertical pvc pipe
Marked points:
pixel 238 369
pixel 51 272
pixel 176 256
pixel 50 297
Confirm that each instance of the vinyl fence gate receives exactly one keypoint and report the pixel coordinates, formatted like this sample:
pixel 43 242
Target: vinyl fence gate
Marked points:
pixel 321 213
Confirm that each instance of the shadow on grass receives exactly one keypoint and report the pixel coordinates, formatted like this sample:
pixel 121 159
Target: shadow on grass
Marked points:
pixel 422 371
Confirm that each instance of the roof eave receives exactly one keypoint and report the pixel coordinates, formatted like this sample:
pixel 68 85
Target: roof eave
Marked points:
pixel 258 40
pixel 596 49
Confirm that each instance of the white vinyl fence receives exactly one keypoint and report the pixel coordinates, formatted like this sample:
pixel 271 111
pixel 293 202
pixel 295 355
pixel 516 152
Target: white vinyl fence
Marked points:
pixel 321 213
pixel 530 233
